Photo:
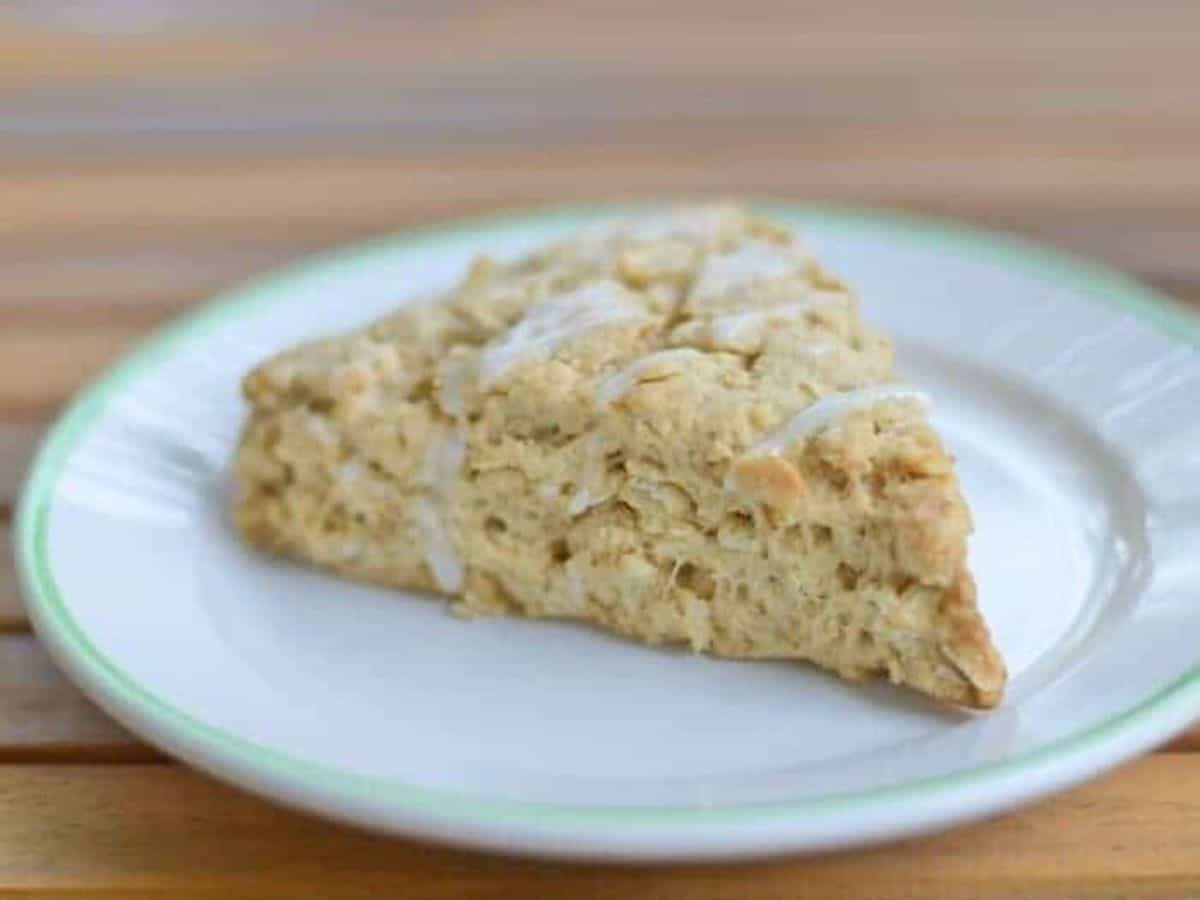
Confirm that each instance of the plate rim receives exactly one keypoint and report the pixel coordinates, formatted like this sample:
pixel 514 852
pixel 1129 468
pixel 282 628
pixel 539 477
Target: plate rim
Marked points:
pixel 557 828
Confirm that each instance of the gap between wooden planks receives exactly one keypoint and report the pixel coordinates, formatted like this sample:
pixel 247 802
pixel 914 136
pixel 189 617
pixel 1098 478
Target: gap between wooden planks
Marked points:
pixel 133 830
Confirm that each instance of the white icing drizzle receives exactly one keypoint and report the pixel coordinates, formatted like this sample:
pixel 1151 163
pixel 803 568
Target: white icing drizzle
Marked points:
pixel 742 329
pixel 455 374
pixel 738 329
pixel 576 586
pixel 553 321
pixel 819 348
pixel 320 428
pixel 590 473
pixel 753 261
pixel 349 472
pixel 615 387
pixel 436 545
pixel 819 415
pixel 443 459
pixel 581 502
pixel 702 224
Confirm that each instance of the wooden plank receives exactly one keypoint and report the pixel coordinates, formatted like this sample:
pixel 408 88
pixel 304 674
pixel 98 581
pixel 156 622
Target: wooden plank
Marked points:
pixel 41 367
pixel 135 829
pixel 44 718
pixel 539 56
pixel 140 280
pixel 566 110
pixel 276 192
pixel 367 32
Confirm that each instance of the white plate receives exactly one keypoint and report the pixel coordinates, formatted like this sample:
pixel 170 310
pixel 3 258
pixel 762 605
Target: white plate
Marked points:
pixel 1070 394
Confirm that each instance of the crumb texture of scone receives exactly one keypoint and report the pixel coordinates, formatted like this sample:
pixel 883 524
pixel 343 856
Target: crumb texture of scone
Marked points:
pixel 676 427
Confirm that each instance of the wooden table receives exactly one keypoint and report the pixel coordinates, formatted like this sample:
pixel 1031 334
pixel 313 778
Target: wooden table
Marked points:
pixel 143 169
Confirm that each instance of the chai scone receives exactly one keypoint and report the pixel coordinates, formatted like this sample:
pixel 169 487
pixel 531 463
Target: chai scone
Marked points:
pixel 678 428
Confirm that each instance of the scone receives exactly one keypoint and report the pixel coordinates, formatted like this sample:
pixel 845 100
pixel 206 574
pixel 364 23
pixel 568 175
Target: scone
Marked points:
pixel 678 428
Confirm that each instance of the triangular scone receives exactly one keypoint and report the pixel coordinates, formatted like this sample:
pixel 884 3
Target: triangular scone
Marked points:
pixel 678 428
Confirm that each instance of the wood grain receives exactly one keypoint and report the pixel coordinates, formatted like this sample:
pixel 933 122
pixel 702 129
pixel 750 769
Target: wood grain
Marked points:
pixel 409 186
pixel 459 70
pixel 136 828
pixel 43 718
pixel 42 367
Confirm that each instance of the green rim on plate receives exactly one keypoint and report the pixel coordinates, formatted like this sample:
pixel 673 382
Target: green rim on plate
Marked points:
pixel 127 699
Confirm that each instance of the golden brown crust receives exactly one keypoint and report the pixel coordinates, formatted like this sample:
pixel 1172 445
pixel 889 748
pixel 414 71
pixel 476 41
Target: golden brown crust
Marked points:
pixel 769 480
pixel 968 646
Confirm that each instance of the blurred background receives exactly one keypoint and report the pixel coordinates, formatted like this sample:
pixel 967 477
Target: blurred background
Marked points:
pixel 154 152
